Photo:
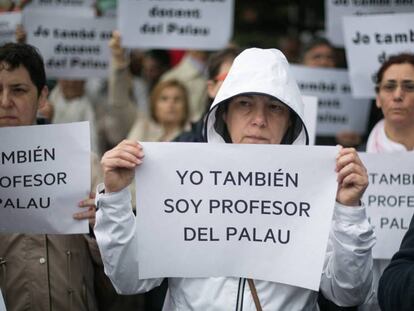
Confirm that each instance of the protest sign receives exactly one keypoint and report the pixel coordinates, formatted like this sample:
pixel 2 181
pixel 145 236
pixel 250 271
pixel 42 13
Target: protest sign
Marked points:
pixel 8 24
pixel 200 206
pixel 188 24
pixel 2 304
pixel 389 198
pixel 368 46
pixel 336 9
pixel 45 172
pixel 78 8
pixel 337 109
pixel 69 11
pixel 59 4
pixel 72 47
pixel 310 116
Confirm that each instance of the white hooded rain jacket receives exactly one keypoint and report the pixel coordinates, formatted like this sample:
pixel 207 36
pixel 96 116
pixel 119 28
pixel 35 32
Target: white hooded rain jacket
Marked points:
pixel 346 278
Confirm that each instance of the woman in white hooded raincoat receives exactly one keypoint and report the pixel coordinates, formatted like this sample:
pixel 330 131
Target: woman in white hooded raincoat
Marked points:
pixel 259 102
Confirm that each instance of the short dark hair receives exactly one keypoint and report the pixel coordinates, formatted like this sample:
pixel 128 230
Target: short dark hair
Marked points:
pixel 402 58
pixel 161 56
pixel 22 54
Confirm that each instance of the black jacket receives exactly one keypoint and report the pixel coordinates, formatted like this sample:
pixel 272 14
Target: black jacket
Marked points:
pixel 396 286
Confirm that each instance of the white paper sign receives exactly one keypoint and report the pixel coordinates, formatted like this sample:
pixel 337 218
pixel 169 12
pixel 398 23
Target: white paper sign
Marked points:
pixel 72 47
pixel 45 173
pixel 336 9
pixel 337 109
pixel 8 24
pixel 310 116
pixel 189 24
pixel 2 304
pixel 200 206
pixel 368 46
pixel 66 11
pixel 59 4
pixel 389 198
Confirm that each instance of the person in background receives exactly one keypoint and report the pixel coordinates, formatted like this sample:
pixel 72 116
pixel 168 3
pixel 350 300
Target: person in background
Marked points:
pixel 169 109
pixel 251 111
pixel 146 74
pixel 154 64
pixel 321 53
pixel 395 98
pixel 131 77
pixel 191 72
pixel 394 133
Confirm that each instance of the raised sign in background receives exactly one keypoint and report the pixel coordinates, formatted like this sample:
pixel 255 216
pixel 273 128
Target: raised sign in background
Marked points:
pixel 336 9
pixel 185 24
pixel 368 46
pixel 337 109
pixel 72 47
pixel 8 24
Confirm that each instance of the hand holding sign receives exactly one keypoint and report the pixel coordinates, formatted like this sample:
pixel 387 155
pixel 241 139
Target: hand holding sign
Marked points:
pixel 20 34
pixel 118 53
pixel 352 177
pixel 119 164
pixel 90 214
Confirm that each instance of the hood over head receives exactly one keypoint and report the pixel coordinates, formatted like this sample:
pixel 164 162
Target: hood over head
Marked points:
pixel 262 72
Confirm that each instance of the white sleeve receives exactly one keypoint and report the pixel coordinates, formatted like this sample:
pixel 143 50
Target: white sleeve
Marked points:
pixel 347 274
pixel 115 232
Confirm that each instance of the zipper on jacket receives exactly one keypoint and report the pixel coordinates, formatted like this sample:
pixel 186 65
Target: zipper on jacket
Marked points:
pixel 240 294
pixel 69 273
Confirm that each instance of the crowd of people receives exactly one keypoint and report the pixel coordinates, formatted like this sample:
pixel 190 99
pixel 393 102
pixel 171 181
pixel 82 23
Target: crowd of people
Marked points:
pixel 205 97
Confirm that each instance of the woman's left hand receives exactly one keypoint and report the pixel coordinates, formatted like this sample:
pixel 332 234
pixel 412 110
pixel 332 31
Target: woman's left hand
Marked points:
pixel 352 177
pixel 89 214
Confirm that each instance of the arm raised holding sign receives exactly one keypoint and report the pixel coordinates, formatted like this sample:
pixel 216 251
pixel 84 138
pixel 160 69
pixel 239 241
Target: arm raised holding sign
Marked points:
pixel 245 112
pixel 119 166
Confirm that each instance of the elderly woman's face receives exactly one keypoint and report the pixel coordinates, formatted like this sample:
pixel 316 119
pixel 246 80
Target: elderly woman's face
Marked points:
pixel 396 95
pixel 170 106
pixel 257 119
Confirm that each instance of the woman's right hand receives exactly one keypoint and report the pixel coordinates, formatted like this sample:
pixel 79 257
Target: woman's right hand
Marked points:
pixel 119 165
pixel 20 34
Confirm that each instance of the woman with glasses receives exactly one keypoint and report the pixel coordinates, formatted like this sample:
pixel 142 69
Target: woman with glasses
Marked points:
pixel 395 97
pixel 395 132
